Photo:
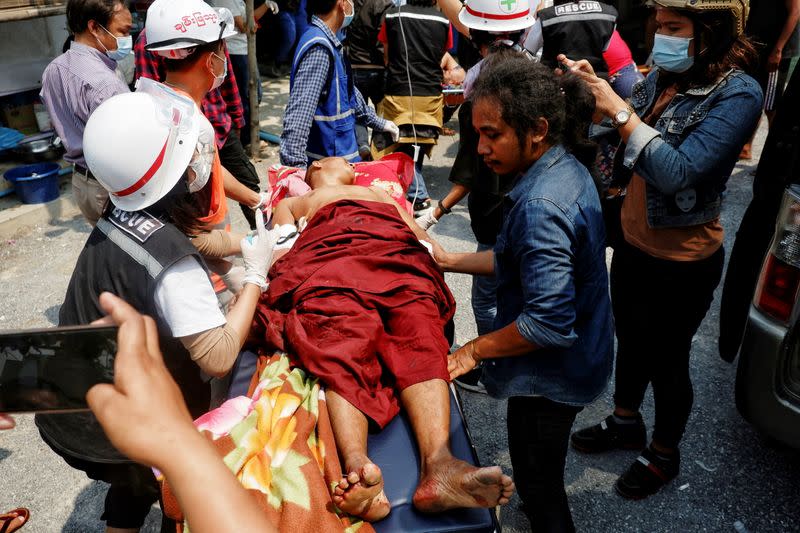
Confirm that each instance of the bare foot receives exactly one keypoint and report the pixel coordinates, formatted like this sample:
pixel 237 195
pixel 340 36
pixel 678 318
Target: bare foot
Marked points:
pixel 452 483
pixel 747 152
pixel 360 493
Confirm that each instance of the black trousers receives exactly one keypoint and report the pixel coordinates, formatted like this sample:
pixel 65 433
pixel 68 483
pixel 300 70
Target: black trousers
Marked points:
pixel 371 84
pixel 235 160
pixel 538 434
pixel 658 307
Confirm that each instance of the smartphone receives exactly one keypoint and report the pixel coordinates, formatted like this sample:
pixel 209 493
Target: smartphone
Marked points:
pixel 50 370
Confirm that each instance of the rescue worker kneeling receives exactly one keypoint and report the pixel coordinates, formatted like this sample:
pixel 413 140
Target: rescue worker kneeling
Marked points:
pixel 143 148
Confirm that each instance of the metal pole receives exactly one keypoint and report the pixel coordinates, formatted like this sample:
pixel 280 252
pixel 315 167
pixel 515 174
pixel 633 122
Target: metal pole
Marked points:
pixel 252 67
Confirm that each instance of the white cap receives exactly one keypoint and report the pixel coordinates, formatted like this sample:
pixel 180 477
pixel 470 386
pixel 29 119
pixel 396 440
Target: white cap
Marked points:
pixel 498 16
pixel 175 27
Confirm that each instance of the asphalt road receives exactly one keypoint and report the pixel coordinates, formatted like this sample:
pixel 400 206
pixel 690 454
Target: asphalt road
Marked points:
pixel 730 474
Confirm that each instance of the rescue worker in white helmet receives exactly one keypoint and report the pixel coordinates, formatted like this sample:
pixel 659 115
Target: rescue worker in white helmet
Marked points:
pixel 146 149
pixel 681 136
pixel 187 37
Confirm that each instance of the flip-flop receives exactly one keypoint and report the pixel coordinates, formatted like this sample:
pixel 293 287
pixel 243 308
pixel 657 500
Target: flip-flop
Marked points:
pixel 7 524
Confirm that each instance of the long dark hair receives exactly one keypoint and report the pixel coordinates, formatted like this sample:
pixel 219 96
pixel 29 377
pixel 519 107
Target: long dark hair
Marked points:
pixel 184 209
pixel 526 91
pixel 717 49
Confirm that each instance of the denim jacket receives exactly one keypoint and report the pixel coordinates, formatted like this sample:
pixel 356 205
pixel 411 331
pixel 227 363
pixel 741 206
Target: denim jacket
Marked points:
pixel 552 282
pixel 687 157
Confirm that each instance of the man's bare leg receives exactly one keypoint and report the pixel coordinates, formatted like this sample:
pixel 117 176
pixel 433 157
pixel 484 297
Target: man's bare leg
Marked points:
pixel 360 491
pixel 446 482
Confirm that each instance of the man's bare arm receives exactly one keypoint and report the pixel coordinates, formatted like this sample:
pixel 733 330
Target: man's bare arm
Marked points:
pixel 285 211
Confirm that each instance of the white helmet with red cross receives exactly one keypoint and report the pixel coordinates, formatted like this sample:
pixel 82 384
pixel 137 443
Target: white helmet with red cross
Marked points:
pixel 138 145
pixel 498 16
pixel 175 27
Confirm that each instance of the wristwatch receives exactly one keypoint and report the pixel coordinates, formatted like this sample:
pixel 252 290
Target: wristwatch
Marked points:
pixel 445 210
pixel 621 117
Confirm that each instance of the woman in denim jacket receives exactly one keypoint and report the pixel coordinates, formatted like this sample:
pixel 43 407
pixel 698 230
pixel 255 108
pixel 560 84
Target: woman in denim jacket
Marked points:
pixel 682 138
pixel 552 347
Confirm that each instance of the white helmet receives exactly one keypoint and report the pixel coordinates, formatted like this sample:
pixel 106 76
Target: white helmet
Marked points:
pixel 498 16
pixel 175 27
pixel 138 145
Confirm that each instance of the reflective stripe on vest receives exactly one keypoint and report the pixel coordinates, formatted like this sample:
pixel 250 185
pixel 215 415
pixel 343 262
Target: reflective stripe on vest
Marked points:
pixel 332 131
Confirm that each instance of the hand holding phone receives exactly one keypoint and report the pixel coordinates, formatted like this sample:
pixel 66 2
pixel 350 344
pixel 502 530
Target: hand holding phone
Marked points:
pixel 50 370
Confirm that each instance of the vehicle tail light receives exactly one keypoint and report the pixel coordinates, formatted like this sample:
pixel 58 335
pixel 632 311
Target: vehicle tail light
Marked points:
pixel 778 284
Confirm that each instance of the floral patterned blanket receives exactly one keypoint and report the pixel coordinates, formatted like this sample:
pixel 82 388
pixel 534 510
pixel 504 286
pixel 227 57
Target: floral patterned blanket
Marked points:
pixel 279 444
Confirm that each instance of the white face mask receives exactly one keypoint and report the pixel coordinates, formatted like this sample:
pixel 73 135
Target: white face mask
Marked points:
pixel 218 80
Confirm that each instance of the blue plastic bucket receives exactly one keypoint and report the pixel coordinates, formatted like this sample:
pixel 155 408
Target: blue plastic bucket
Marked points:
pixel 35 184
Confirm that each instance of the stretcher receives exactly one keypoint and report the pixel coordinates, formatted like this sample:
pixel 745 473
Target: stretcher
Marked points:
pixel 395 450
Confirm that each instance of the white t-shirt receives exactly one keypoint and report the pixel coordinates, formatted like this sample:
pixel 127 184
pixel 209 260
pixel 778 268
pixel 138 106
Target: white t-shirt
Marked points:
pixel 186 300
pixel 237 44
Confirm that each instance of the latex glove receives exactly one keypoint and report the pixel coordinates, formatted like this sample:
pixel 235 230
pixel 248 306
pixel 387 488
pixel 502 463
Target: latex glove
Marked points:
pixel 427 220
pixel 257 254
pixel 263 202
pixel 234 278
pixel 272 6
pixel 286 235
pixel 392 129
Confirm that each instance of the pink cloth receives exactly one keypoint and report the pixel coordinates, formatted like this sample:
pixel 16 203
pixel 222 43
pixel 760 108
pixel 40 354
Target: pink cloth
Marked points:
pixel 617 55
pixel 393 173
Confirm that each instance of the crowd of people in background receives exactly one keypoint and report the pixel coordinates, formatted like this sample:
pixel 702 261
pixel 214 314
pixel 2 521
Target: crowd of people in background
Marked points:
pixel 567 147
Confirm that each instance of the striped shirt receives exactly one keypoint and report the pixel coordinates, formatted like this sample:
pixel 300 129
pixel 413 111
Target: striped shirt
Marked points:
pixel 309 80
pixel 73 85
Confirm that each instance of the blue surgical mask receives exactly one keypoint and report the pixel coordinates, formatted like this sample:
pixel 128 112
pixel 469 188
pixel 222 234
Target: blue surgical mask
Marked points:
pixel 672 53
pixel 349 18
pixel 124 46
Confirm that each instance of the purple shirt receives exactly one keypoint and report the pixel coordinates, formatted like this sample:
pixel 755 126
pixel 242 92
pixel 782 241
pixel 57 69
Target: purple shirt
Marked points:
pixel 73 85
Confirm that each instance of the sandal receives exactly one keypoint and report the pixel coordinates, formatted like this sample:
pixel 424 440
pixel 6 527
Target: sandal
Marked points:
pixel 9 521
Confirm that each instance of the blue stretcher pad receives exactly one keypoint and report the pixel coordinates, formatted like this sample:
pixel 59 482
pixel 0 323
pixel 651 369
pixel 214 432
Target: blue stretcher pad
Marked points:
pixel 395 451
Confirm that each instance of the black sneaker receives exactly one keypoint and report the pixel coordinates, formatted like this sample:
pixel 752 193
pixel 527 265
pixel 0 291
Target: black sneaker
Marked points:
pixel 421 205
pixel 608 435
pixel 648 474
pixel 471 381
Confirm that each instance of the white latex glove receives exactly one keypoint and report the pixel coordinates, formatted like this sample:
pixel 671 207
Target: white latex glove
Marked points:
pixel 257 254
pixel 234 278
pixel 427 220
pixel 286 235
pixel 263 202
pixel 392 129
pixel 272 6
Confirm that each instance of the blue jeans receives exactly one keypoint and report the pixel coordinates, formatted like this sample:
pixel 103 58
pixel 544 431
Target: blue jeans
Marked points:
pixel 417 191
pixel 301 19
pixel 484 298
pixel 624 79
pixel 288 28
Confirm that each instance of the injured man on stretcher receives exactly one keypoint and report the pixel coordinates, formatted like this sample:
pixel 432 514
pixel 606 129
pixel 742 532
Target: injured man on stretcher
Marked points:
pixel 359 302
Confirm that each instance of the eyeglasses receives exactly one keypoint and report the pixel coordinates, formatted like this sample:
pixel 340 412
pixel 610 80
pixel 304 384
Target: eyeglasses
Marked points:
pixel 173 109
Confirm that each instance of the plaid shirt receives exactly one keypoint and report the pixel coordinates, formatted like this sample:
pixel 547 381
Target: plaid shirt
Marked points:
pixel 222 106
pixel 311 76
